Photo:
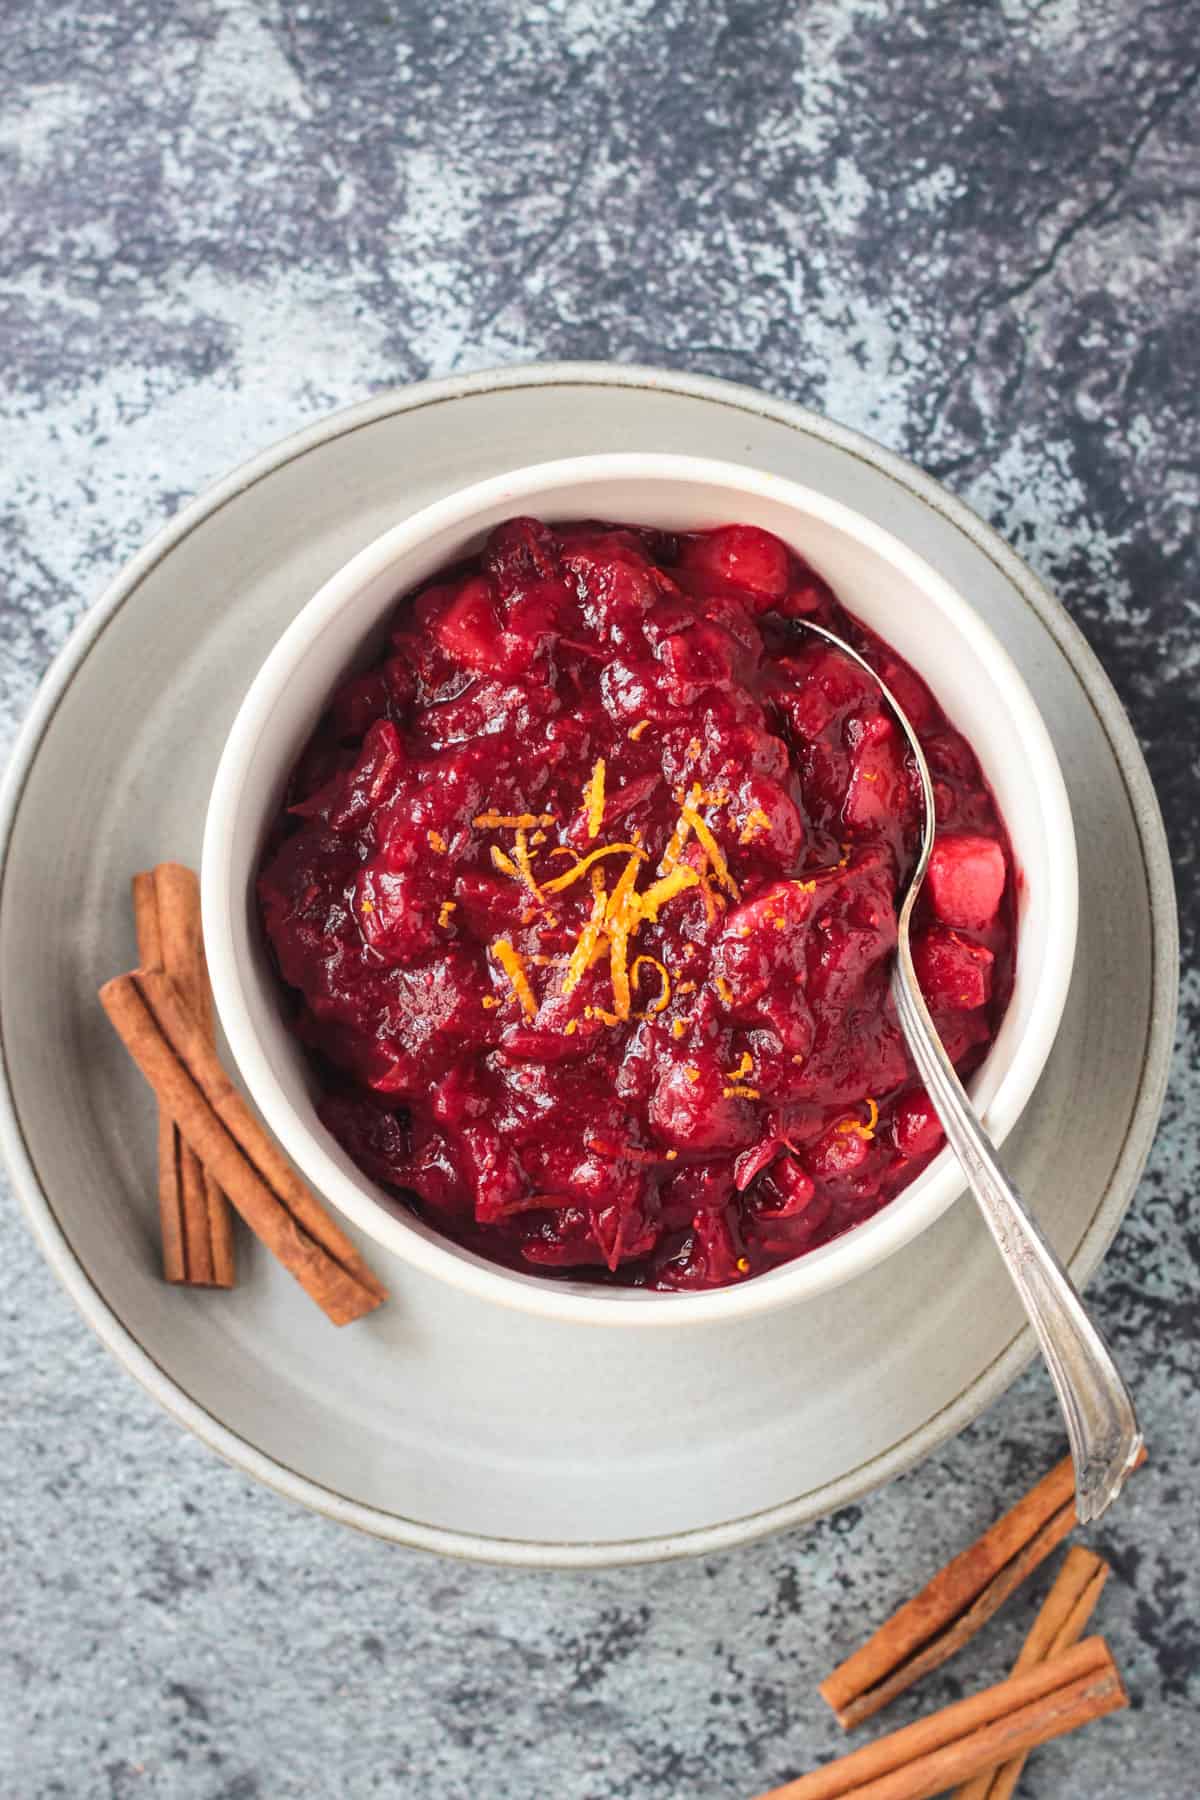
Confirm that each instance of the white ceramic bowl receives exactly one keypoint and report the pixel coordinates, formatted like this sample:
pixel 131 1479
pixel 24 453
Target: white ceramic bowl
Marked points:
pixel 876 578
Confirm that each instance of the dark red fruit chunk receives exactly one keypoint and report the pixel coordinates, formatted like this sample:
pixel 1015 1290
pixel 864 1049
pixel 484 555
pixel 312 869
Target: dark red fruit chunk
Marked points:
pixel 966 880
pixel 953 971
pixel 743 557
pixel 916 1128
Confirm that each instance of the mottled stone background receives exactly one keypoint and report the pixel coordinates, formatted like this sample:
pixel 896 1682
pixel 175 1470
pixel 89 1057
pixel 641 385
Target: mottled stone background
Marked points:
pixel 969 229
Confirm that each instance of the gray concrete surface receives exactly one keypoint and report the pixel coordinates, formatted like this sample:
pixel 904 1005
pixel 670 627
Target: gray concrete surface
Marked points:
pixel 969 229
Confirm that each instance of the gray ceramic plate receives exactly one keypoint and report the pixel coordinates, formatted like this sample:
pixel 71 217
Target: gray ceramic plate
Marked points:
pixel 441 1421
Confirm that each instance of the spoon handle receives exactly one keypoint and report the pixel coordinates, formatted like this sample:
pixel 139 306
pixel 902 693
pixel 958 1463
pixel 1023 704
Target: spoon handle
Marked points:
pixel 1101 1423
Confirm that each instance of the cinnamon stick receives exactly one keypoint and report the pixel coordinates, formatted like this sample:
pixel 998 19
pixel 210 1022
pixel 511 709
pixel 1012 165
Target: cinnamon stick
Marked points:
pixel 177 890
pixel 1060 1624
pixel 196 1222
pixel 935 1753
pixel 961 1597
pixel 170 1196
pixel 171 1050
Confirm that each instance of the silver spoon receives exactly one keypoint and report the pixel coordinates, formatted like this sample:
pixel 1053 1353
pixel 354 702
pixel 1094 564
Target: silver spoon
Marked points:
pixel 1101 1422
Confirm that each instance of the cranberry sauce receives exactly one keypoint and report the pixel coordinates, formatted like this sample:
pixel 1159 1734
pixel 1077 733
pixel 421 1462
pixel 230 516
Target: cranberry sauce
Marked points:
pixel 585 893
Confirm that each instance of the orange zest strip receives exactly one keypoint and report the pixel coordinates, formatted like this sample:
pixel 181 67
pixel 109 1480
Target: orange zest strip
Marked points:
pixel 512 963
pixel 655 898
pixel 745 1067
pixel 521 853
pixel 662 1000
pixel 436 842
pixel 618 905
pixel 737 1091
pixel 585 862
pixel 589 937
pixel 505 864
pixel 756 821
pixel 713 851
pixel 448 906
pixel 619 943
pixel 637 730
pixel 675 843
pixel 593 799
pixel 494 821
pixel 619 920
pixel 855 1127
pixel 700 796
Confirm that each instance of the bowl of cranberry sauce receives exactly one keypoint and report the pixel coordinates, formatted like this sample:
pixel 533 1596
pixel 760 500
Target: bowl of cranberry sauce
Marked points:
pixel 551 882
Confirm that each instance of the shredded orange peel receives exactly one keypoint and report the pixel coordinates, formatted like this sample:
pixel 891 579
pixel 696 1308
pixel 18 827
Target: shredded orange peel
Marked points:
pixel 675 844
pixel 756 822
pixel 593 799
pixel 856 1128
pixel 655 898
pixel 615 917
pixel 521 853
pixel 494 821
pixel 663 998
pixel 712 850
pixel 583 863
pixel 589 937
pixel 513 964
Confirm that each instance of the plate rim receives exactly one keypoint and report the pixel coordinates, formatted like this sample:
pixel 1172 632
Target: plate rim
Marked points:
pixel 1111 1206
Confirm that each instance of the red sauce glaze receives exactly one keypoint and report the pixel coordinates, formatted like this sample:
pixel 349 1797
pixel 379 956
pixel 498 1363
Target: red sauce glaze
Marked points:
pixel 757 1099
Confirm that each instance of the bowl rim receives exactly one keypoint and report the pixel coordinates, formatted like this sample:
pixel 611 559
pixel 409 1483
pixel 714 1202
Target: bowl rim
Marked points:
pixel 861 1248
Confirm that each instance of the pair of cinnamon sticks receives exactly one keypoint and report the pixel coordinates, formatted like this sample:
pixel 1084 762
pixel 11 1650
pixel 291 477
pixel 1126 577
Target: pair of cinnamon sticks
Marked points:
pixel 991 1731
pixel 1057 1683
pixel 960 1599
pixel 212 1150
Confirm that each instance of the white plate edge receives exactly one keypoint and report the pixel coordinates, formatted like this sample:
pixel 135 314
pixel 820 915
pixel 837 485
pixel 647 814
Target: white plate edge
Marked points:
pixel 1164 949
